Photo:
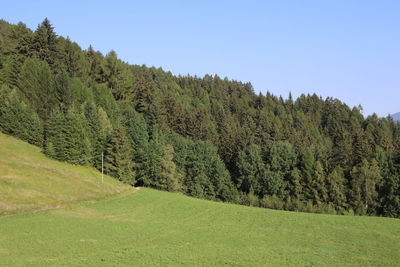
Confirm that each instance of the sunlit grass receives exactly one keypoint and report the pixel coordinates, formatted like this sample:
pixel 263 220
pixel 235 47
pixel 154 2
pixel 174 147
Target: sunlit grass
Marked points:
pixel 30 181
pixel 152 228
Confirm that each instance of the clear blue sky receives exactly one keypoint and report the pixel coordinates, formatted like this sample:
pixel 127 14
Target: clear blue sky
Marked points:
pixel 346 49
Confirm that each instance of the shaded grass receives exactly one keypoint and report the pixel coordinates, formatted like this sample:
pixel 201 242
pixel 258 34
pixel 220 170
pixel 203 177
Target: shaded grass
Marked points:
pixel 153 228
pixel 31 181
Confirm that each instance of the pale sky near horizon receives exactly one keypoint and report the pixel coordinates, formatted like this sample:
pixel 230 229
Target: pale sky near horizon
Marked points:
pixel 345 49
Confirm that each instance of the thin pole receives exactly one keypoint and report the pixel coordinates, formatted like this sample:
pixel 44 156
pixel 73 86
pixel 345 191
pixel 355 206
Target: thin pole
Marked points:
pixel 102 167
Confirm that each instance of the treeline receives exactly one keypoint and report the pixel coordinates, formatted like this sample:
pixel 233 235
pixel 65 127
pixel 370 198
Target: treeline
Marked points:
pixel 207 137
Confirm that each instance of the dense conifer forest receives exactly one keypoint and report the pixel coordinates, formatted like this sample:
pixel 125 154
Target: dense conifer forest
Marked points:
pixel 207 137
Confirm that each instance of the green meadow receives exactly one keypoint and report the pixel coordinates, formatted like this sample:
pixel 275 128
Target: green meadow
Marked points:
pixel 31 181
pixel 153 228
pixel 55 214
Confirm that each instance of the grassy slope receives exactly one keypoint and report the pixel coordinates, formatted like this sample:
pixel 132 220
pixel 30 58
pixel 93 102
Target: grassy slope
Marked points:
pixel 152 228
pixel 29 180
pixel 158 228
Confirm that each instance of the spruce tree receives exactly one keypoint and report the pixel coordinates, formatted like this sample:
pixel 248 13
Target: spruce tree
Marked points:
pixel 96 133
pixel 118 157
pixel 365 179
pixel 45 42
pixel 336 188
pixel 171 176
pixel 9 72
pixel 251 170
pixel 18 119
pixel 68 136
pixel 36 83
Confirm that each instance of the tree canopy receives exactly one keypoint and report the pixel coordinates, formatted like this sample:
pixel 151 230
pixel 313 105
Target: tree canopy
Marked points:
pixel 208 137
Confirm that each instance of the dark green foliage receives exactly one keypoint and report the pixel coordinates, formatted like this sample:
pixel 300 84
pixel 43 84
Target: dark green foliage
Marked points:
pixel 207 137
pixel 252 172
pixel 117 76
pixel 9 71
pixel 365 179
pixel 67 138
pixel 173 180
pixel 36 83
pixel 204 174
pixel 63 90
pixel 73 58
pixel 44 43
pixel 307 167
pixel 390 187
pixel 282 157
pixel 17 119
pixel 282 160
pixel 336 188
pixel 150 171
pixel 319 193
pixel 118 157
pixel 97 133
pixel 136 129
pixel 104 98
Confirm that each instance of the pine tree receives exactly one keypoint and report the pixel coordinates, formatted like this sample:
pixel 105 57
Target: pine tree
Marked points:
pixel 118 157
pixel 294 184
pixel 136 129
pixel 9 72
pixel 74 60
pixel 95 66
pixel 45 42
pixel 63 91
pixel 67 135
pixel 307 164
pixel 36 83
pixel 97 135
pixel 318 184
pixel 251 170
pixel 150 171
pixel 365 179
pixel 336 188
pixel 117 75
pixel 17 119
pixel 389 192
pixel 172 177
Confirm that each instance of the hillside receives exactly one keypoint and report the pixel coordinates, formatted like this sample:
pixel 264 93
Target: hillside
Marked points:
pixel 208 137
pixel 29 180
pixel 155 228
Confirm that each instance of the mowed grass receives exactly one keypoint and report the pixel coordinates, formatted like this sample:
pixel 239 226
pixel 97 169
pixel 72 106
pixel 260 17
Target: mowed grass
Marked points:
pixel 30 181
pixel 153 228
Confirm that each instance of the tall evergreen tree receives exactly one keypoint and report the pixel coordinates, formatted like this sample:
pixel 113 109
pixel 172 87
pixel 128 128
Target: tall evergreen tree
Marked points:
pixel 251 170
pixel 336 188
pixel 172 177
pixel 67 138
pixel 36 83
pixel 118 157
pixel 17 119
pixel 45 42
pixel 365 179
pixel 9 72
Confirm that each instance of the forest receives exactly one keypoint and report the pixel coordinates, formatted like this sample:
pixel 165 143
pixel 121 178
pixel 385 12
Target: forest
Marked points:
pixel 207 137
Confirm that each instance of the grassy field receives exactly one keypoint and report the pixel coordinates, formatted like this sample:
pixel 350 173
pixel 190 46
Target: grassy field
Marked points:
pixel 30 181
pixel 152 228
